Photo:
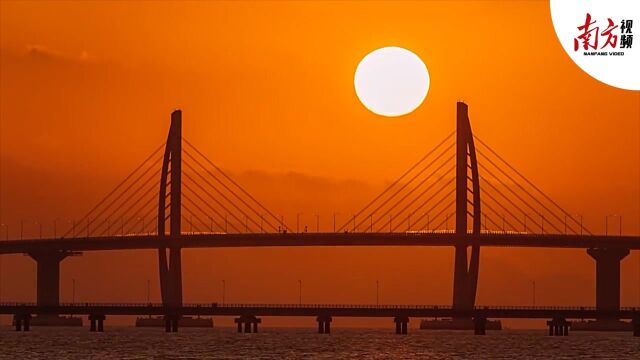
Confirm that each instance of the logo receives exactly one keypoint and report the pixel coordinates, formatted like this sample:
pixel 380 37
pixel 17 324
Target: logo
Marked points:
pixel 598 35
pixel 591 37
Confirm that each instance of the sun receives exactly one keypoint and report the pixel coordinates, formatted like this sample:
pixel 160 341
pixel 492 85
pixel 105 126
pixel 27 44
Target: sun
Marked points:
pixel 391 81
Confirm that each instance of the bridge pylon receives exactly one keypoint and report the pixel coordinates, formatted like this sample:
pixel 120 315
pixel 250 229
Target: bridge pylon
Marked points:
pixel 465 281
pixel 170 263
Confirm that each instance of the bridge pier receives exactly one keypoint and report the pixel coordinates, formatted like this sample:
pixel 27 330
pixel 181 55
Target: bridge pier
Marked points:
pixel 48 276
pixel 250 323
pixel 558 327
pixel 22 322
pixel 96 319
pixel 607 278
pixel 402 324
pixel 324 324
pixel 171 323
pixel 479 326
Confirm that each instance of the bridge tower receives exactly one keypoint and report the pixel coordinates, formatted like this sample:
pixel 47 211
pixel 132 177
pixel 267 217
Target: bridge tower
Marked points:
pixel 169 260
pixel 465 280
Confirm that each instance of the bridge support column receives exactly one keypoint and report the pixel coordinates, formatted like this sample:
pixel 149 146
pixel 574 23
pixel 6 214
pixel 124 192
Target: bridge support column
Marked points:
pixel 250 323
pixel 402 324
pixel 98 320
pixel 22 322
pixel 17 321
pixel 636 326
pixel 324 324
pixel 48 276
pixel 607 278
pixel 479 326
pixel 558 327
pixel 171 323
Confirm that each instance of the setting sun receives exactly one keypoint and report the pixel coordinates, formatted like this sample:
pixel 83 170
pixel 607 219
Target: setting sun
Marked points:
pixel 391 81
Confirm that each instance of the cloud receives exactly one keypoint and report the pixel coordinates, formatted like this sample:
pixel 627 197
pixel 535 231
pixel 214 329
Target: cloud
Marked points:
pixel 36 51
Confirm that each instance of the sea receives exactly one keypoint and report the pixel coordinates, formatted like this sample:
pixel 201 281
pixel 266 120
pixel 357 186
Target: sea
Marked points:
pixel 305 343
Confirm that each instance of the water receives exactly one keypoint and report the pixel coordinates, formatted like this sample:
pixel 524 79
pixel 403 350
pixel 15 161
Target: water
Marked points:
pixel 285 343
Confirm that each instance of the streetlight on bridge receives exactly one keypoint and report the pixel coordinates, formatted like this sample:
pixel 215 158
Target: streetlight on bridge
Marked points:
pixel 224 288
pixel 298 222
pixel 606 223
pixel 39 227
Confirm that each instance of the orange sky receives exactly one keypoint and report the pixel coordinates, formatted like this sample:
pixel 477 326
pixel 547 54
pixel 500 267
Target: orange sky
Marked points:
pixel 267 92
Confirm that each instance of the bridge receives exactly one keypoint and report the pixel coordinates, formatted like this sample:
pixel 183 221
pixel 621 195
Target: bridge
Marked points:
pixel 247 314
pixel 171 202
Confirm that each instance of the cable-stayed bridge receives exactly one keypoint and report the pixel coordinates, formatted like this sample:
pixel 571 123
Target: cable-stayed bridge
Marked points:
pixel 461 194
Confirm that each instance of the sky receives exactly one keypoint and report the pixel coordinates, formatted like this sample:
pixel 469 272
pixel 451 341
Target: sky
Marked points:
pixel 266 89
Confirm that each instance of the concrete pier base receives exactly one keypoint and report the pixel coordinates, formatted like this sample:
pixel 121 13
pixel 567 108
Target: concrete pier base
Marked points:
pixel 96 322
pixel 558 327
pixel 402 325
pixel 480 326
pixel 171 323
pixel 249 322
pixel 22 322
pixel 324 324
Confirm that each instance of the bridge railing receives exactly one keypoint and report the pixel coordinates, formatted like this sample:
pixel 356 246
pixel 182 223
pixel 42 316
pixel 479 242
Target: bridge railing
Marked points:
pixel 312 306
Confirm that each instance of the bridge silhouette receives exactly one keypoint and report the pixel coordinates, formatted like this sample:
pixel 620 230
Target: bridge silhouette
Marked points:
pixel 178 198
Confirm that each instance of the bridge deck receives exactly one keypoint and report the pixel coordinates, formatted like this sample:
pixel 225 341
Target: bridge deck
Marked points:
pixel 497 239
pixel 336 310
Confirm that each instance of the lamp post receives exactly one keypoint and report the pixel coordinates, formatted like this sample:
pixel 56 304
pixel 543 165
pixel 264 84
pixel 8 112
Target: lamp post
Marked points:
pixel 300 292
pixel 317 223
pixel 377 292
pixel 298 222
pixel 334 222
pixel 224 289
pixel 606 223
